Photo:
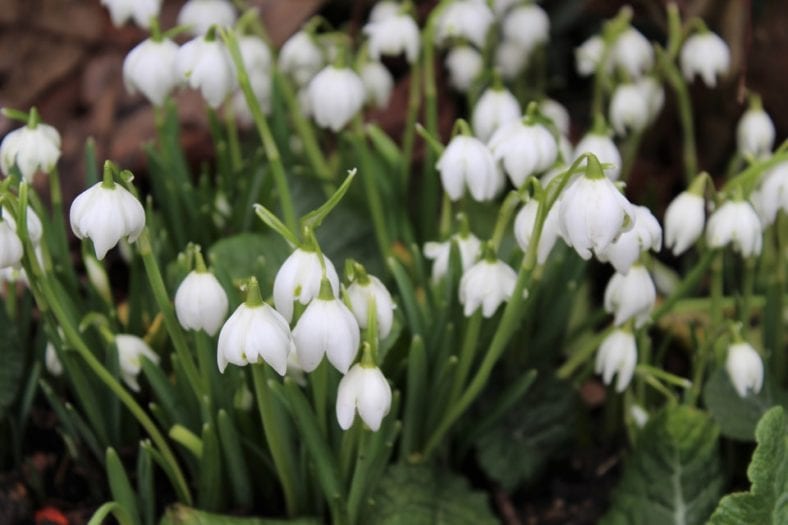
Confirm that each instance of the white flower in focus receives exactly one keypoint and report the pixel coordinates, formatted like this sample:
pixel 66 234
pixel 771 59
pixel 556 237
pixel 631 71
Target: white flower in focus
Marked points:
pixel 298 279
pixel 392 36
pixel 706 55
pixel 633 53
pixel 301 58
pixel 131 350
pixel 465 64
pixel 467 161
pixel 327 327
pixel 10 245
pixel 335 96
pixel 384 9
pixel 35 230
pixel 588 55
pixel 556 112
pixel 52 361
pixel 629 109
pixel 645 234
pixel 141 11
pixel 495 108
pixel 207 67
pixel 772 195
pixel 362 294
pixel 524 226
pixel 150 68
pixel 745 368
pixel 527 25
pixel 486 284
pixel 378 84
pixel 440 252
pixel 523 150
pixel 201 302
pixel 684 221
pixel 32 149
pixel 364 389
pixel 755 133
pixel 604 149
pixel 617 355
pixel 736 223
pixel 631 296
pixel 200 15
pixel 464 19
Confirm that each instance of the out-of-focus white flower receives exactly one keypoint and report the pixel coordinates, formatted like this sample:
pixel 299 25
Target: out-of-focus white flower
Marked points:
pixel 684 221
pixel 524 226
pixel 298 279
pixel 207 67
pixel 32 149
pixel 35 230
pixel 527 25
pixel 141 11
pixel 261 87
pixel 617 355
pixel 501 7
pixel 604 149
pixel 335 95
pixel 10 246
pixel 255 55
pixel 364 389
pixel 52 361
pixel 383 10
pixel 707 55
pixel 150 68
pixel 755 133
pixel 467 161
pixel 469 247
pixel 361 293
pixel 523 150
pixel 736 223
pixel 510 59
pixel 201 302
pixel 378 84
pixel 465 64
pixel 772 194
pixel 556 112
pixel 494 108
pixel 97 276
pixel 301 58
pixel 131 350
pixel 465 19
pixel 392 36
pixel 745 368
pixel 629 109
pixel 327 327
pixel 633 53
pixel 631 296
pixel 486 284
pixel 645 234
pixel 588 55
pixel 654 94
pixel 200 15
pixel 639 415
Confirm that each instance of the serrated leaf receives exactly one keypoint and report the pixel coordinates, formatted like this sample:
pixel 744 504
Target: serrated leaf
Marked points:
pixel 674 475
pixel 183 515
pixel 12 357
pixel 421 495
pixel 767 501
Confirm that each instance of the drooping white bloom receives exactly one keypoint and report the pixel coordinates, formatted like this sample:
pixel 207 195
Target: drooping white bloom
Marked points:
pixel 10 246
pixel 646 234
pixel 255 55
pixel 384 9
pixel 392 36
pixel 501 7
pixel 510 59
pixel 206 66
pixel 629 110
pixel 755 133
pixel 361 294
pixel 464 19
pixel 524 226
pixel 654 95
pixel 617 355
pixel 469 247
pixel 605 150
pixel 261 87
pixel 131 350
pixel 639 415
pixel 631 296
pixel 301 58
pixel 684 221
pixel 52 361
pixel 633 53
pixel 364 389
pixel 486 284
pixel 378 84
pixel 556 112
pixel 494 108
pixel 35 230
pixel 106 214
pixel 588 55
pixel 200 15
pixel 335 95
pixel 201 302
pixel 772 195
pixel 468 162
pixel 150 68
pixel 141 11
pixel 745 368
pixel 736 223
pixel 298 279
pixel 465 64
pixel 523 150
pixel 707 55
pixel 327 327
pixel 527 25
pixel 32 149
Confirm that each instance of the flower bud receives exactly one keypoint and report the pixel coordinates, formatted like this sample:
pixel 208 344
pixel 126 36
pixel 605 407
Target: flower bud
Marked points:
pixel 206 66
pixel 201 302
pixel 617 355
pixel 200 15
pixel 131 350
pixel 141 11
pixel 706 55
pixel 465 64
pixel 335 95
pixel 755 133
pixel 384 9
pixel 361 294
pixel 364 389
pixel 150 68
pixel 494 108
pixel 631 296
pixel 301 58
pixel 327 327
pixel 469 247
pixel 52 361
pixel 736 223
pixel 32 149
pixel 588 55
pixel 524 150
pixel 486 284
pixel 392 36
pixel 467 161
pixel 298 279
pixel 684 221
pixel 464 19
pixel 745 368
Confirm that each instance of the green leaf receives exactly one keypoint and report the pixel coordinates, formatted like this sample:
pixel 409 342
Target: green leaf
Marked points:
pixel 422 495
pixel 767 501
pixel 674 475
pixel 241 256
pixel 120 487
pixel 183 515
pixel 12 355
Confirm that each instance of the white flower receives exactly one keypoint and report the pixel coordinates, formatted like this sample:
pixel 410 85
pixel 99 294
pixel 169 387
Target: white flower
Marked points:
pixel 464 19
pixel 364 389
pixel 150 69
pixel 772 195
pixel 707 55
pixel 393 35
pixel 327 327
pixel 52 361
pixel 735 222
pixel 384 9
pixel 106 215
pixel 631 296
pixel 494 108
pixel 556 112
pixel 465 64
pixel 361 295
pixel 32 149
pixel 510 59
pixel 633 53
pixel 684 221
pixel 131 350
pixel 629 109
pixel 141 11
pixel 200 15
pixel 639 415
pixel 261 87
pixel 604 149
pixel 206 66
pixel 588 55
pixel 35 230
pixel 654 94
pixel 524 227
pixel 10 245
pixel 378 84
pixel 335 95
pixel 255 55
pixel 617 355
pixel 523 150
pixel 745 368
pixel 755 133
pixel 470 250
pixel 486 284
pixel 646 234
pixel 201 302
pixel 301 58
pixel 298 279
pixel 467 161
pixel 527 25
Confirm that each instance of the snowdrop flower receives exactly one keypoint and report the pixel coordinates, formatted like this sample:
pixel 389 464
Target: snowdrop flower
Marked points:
pixel 646 234
pixel 255 55
pixel 772 195
pixel 383 10
pixel 604 149
pixel 200 15
pixel 255 332
pixel 631 296
pixel 150 68
pixel 361 293
pixel 298 279
pixel 392 36
pixel 105 213
pixel 465 64
pixel 464 19
pixel 335 95
pixel 745 368
pixel 735 222
pixel 638 415
pixel 131 350
pixel 261 88
pixel 327 327
pixel 363 388
pixel 35 230
pixel 706 55
pixel 10 245
pixel 33 148
pixel 378 84
pixel 588 55
pixel 488 283
pixel 501 7
pixel 467 161
pixel 556 112
pixel 633 53
pixel 524 226
pixel 301 58
pixel 654 95
pixel 523 150
pixel 52 361
pixel 495 107
pixel 629 109
pixel 141 11
pixel 469 247
pixel 684 221
pixel 201 302
pixel 755 132
pixel 617 355
pixel 206 65
pixel 510 59
pixel 527 25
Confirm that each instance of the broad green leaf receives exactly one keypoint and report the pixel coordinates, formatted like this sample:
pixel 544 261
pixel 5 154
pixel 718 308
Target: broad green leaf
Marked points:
pixel 244 255
pixel 767 501
pixel 421 495
pixel 120 488
pixel 183 515
pixel 674 476
pixel 12 355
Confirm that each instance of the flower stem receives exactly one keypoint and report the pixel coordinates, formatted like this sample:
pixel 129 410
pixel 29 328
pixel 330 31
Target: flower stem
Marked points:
pixel 467 354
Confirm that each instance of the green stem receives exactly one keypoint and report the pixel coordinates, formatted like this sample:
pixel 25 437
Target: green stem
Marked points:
pixel 59 227
pixel 748 282
pixel 319 382
pixel 372 190
pixel 582 355
pixel 467 354
pixel 236 158
pixel 687 285
pixel 409 133
pixel 359 481
pixel 676 80
pixel 629 153
pixel 429 183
